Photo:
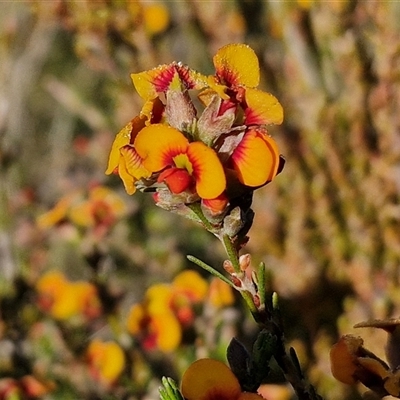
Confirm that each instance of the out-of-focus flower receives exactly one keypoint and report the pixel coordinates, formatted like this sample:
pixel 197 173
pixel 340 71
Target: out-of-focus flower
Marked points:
pixel 57 214
pixel 63 299
pixel 352 363
pixel 209 379
pixel 166 310
pixel 27 387
pixel 97 209
pixel 220 293
pixel 106 361
pixel 9 389
pixel 156 18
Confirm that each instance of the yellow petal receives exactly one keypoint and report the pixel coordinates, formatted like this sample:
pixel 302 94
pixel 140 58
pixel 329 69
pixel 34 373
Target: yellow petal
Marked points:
pixel 158 298
pixel 256 159
pixel 82 214
pixel 207 170
pixel 134 163
pixel 237 64
pixel 107 358
pixel 57 213
pixel 208 379
pixel 220 293
pixel 135 318
pixel 262 108
pixel 192 284
pixel 127 179
pixel 124 137
pixel 157 145
pixel 168 331
pixel 156 18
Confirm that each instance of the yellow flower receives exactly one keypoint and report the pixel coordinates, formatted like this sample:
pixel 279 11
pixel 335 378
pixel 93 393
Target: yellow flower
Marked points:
pixel 256 158
pixel 102 208
pixel 106 361
pixel 156 18
pixel 237 70
pixel 57 214
pixel 191 284
pixel 185 166
pixel 220 293
pixel 167 308
pixel 123 158
pixel 208 379
pixel 63 299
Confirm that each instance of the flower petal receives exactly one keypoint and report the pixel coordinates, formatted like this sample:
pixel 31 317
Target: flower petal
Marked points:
pixel 134 163
pixel 343 357
pixel 191 284
pixel 167 76
pixel 262 108
pixel 207 170
pixel 123 138
pixel 127 179
pixel 208 379
pixel 256 159
pixel 237 64
pixel 157 145
pixel 168 330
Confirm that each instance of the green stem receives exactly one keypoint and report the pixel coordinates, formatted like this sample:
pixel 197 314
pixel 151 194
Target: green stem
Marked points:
pixel 232 253
pixel 248 298
pixel 209 269
pixel 196 208
pixel 261 283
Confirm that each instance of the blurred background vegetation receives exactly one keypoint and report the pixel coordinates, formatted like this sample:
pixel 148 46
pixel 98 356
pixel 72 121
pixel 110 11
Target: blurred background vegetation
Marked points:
pixel 327 228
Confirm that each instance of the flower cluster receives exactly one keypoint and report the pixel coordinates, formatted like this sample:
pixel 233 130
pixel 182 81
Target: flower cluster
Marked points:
pixel 213 158
pixel 97 209
pixel 168 309
pixel 64 299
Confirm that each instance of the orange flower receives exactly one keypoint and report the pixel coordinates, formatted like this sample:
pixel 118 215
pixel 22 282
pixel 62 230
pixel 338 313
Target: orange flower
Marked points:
pixel 208 379
pixel 256 158
pixel 154 323
pixel 238 72
pixel 57 214
pixel 156 18
pixel 182 164
pixel 64 299
pixel 220 293
pixel 123 158
pixel 99 208
pixel 158 322
pixel 162 79
pixel 106 361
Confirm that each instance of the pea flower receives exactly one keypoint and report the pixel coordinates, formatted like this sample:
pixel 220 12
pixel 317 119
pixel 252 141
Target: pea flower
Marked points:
pixel 166 311
pixel 211 155
pixel 351 362
pixel 237 76
pixel 208 379
pixel 64 299
pixel 106 361
pixel 97 209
